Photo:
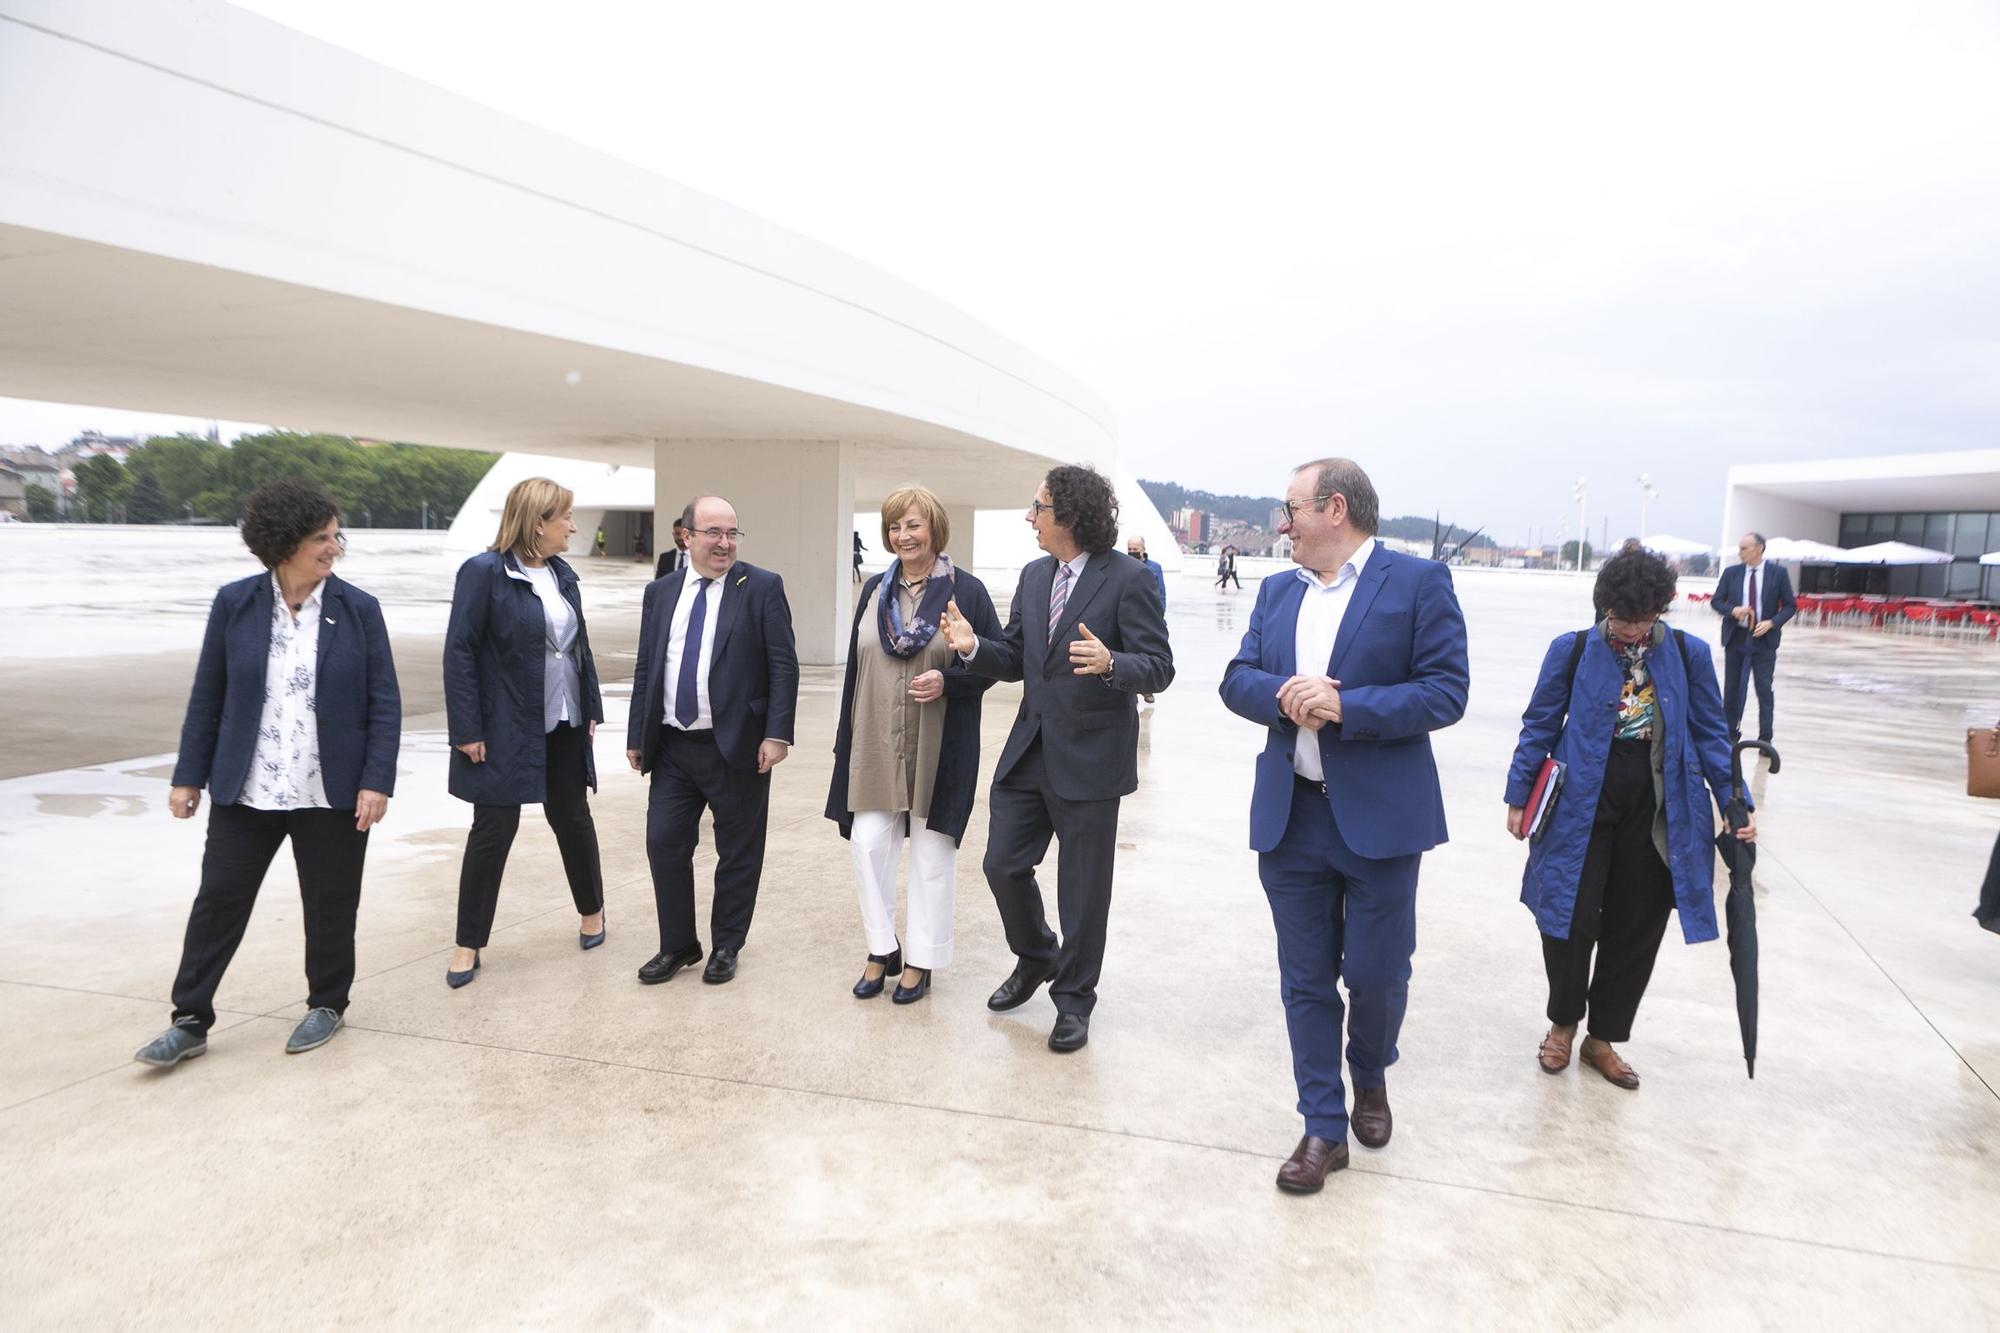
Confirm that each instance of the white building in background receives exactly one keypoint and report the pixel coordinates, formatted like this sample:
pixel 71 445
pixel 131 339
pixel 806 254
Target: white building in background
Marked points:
pixel 1947 502
pixel 242 222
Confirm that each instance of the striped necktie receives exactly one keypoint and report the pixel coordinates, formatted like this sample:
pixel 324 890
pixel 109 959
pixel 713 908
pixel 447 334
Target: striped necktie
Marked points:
pixel 1058 599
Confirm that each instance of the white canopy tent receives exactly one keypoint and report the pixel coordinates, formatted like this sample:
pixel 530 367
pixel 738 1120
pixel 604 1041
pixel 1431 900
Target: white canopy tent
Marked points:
pixel 1990 558
pixel 1894 553
pixel 1678 547
pixel 1799 551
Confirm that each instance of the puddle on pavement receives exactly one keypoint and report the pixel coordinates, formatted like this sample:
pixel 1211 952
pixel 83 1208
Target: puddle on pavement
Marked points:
pixel 80 805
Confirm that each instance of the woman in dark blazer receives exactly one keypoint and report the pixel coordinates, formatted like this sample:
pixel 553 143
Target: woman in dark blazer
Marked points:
pixel 523 706
pixel 906 754
pixel 1632 835
pixel 293 726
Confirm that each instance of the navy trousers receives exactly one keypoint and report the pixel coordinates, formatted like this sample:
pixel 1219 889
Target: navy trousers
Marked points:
pixel 1339 917
pixel 1736 664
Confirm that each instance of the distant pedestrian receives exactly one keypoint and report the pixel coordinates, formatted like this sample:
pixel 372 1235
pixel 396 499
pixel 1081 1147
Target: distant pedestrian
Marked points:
pixel 293 726
pixel 1136 548
pixel 857 557
pixel 675 558
pixel 1225 569
pixel 1754 600
pixel 600 541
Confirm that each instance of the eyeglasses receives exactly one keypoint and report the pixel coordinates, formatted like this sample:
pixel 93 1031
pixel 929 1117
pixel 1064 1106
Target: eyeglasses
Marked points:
pixel 1035 508
pixel 718 534
pixel 1291 510
pixel 1632 628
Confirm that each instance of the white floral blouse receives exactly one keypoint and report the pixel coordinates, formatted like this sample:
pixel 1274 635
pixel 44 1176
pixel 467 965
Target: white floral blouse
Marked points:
pixel 284 771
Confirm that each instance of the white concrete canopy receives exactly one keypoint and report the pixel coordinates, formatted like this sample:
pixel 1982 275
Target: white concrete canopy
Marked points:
pixel 242 222
pixel 1807 499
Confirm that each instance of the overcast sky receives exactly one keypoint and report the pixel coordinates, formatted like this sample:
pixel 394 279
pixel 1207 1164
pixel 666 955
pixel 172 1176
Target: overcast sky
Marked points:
pixel 1482 248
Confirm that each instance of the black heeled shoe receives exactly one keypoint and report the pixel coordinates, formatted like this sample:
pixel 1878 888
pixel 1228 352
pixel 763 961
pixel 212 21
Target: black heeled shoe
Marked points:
pixel 457 979
pixel 892 965
pixel 589 942
pixel 908 994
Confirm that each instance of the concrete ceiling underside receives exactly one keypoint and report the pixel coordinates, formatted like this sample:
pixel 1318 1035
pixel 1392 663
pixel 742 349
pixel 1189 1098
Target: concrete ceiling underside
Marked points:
pixel 1932 493
pixel 87 323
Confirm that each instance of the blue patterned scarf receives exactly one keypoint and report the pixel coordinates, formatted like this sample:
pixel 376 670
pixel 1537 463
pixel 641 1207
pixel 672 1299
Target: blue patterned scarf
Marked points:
pixel 906 641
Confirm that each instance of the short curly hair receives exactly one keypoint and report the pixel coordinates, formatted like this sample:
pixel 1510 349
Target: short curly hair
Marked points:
pixel 1635 584
pixel 1085 504
pixel 280 514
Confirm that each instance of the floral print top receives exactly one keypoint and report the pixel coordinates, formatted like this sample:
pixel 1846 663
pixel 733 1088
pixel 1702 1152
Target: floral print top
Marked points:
pixel 1638 701
pixel 284 771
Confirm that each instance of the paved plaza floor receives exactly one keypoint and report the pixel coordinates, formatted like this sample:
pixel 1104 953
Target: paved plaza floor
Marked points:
pixel 558 1146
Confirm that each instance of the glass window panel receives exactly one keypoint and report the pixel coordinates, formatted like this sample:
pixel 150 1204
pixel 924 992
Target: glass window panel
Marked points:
pixel 1937 531
pixel 1854 529
pixel 1931 580
pixel 1881 527
pixel 1962 579
pixel 1970 538
pixel 1910 528
pixel 1903 581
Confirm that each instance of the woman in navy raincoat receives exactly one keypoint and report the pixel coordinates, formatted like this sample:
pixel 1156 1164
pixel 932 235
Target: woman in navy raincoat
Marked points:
pixel 1632 835
pixel 521 696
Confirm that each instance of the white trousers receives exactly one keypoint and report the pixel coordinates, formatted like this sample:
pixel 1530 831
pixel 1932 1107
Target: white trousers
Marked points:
pixel 877 845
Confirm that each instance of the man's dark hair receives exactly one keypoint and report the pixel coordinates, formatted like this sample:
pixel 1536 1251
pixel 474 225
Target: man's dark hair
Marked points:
pixel 1633 585
pixel 1086 505
pixel 280 514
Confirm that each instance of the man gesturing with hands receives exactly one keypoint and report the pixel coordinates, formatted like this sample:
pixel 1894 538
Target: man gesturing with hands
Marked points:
pixel 1349 664
pixel 1073 750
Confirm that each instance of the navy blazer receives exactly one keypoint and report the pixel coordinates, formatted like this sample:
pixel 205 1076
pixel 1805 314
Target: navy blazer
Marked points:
pixel 1400 658
pixel 356 702
pixel 1774 590
pixel 753 670
pixel 495 652
pixel 1089 725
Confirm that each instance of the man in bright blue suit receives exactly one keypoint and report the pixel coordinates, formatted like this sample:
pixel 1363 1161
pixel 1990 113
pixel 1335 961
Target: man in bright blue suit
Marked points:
pixel 1350 663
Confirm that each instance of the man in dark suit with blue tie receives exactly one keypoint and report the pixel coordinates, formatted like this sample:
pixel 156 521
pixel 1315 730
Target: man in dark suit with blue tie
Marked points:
pixel 1754 600
pixel 714 692
pixel 1349 664
pixel 1085 636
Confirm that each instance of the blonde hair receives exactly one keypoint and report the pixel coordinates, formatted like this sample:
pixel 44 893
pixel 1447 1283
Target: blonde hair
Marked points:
pixel 533 500
pixel 929 508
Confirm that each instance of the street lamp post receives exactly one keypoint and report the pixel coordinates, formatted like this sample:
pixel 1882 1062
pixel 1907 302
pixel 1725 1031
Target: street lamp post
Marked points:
pixel 1648 492
pixel 1582 493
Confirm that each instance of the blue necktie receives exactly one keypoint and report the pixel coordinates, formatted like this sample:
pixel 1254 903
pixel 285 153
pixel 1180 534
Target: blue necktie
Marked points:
pixel 686 705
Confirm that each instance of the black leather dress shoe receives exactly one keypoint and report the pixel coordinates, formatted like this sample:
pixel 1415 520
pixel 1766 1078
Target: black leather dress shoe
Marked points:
pixel 721 966
pixel 1070 1033
pixel 1370 1118
pixel 664 965
pixel 892 965
pixel 908 994
pixel 1310 1164
pixel 1019 987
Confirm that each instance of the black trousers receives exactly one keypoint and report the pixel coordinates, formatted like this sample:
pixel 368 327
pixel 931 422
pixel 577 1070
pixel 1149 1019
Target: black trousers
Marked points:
pixel 1988 910
pixel 1733 700
pixel 690 777
pixel 241 843
pixel 1622 906
pixel 1025 815
pixel 567 806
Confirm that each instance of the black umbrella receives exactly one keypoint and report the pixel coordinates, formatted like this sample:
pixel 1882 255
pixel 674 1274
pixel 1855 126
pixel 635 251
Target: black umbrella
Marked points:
pixel 1739 909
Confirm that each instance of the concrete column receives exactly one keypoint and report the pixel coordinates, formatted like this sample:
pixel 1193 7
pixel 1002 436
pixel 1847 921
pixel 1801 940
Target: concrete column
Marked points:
pixel 795 500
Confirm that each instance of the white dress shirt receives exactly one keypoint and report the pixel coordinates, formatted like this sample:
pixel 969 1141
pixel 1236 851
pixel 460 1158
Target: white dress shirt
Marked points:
pixel 284 769
pixel 704 720
pixel 562 690
pixel 1076 564
pixel 1321 610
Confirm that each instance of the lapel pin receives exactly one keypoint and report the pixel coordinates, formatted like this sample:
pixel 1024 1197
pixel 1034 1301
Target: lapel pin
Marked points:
pixel 329 620
pixel 742 580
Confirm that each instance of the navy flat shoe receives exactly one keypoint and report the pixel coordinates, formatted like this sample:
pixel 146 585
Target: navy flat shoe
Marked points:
pixel 908 994
pixel 457 979
pixel 892 965
pixel 589 942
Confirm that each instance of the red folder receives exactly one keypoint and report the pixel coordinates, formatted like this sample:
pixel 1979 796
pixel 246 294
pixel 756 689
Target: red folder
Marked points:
pixel 1542 798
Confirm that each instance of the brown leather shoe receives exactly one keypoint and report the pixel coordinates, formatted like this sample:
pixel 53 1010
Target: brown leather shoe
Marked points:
pixel 1599 1056
pixel 1554 1054
pixel 1371 1119
pixel 1310 1164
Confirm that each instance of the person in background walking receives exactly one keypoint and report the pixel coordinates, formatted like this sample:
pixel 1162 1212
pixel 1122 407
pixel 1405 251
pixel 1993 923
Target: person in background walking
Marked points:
pixel 521 696
pixel 906 753
pixel 1754 600
pixel 1630 708
pixel 1225 569
pixel 600 542
pixel 675 558
pixel 1136 548
pixel 293 726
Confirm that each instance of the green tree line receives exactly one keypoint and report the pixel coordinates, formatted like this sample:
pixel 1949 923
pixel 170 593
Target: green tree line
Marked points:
pixel 172 478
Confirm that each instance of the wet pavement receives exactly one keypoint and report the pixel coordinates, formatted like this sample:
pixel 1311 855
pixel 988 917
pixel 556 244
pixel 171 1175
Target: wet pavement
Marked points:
pixel 557 1145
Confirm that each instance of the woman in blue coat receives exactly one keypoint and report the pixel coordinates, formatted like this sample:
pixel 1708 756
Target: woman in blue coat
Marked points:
pixel 523 706
pixel 1632 834
pixel 293 726
pixel 906 753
